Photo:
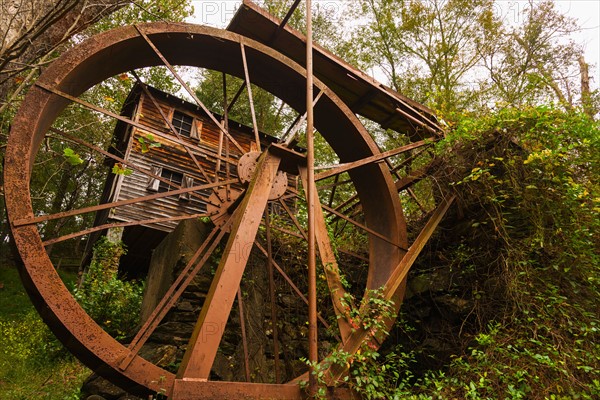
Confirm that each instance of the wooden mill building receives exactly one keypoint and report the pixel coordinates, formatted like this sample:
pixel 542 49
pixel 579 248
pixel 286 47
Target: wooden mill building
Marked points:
pixel 174 140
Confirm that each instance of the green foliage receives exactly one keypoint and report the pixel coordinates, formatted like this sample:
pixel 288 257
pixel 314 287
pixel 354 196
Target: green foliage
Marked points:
pixel 523 254
pixel 537 59
pixel 113 303
pixel 28 341
pixel 368 375
pixel 527 183
pixel 33 364
pixel 426 48
pixel 119 169
pixel 67 175
pixel 462 54
pixel 14 302
pixel 145 11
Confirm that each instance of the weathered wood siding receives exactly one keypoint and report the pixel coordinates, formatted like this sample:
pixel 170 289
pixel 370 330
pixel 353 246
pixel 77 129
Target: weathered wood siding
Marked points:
pixel 174 157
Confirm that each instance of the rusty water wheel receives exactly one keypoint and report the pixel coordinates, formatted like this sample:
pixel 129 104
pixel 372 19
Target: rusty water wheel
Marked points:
pixel 130 48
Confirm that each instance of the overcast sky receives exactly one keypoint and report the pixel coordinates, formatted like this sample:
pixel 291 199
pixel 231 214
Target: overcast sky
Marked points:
pixel 587 12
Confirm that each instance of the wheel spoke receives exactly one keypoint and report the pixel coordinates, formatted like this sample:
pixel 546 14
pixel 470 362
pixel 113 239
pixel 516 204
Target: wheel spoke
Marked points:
pixel 413 196
pixel 340 207
pixel 236 97
pixel 358 337
pixel 70 213
pixel 340 215
pixel 333 189
pixel 250 97
pixel 400 272
pixel 126 163
pixel 413 177
pixel 244 338
pixel 172 128
pixel 225 123
pixel 122 225
pixel 361 226
pixel 332 185
pixel 288 232
pixel 272 295
pixel 203 344
pixel 187 88
pixel 401 184
pixel 341 302
pixel 293 218
pixel 284 21
pixel 126 120
pixel 227 172
pixel 338 169
pixel 409 159
pixel 292 284
pixel 174 292
pixel 292 132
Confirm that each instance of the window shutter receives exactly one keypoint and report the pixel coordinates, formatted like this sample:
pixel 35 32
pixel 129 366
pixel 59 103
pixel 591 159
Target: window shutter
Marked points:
pixel 169 114
pixel 152 181
pixel 196 130
pixel 187 182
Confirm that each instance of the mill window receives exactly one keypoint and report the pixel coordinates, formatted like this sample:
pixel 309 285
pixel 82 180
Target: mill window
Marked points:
pixel 183 124
pixel 175 180
pixel 172 176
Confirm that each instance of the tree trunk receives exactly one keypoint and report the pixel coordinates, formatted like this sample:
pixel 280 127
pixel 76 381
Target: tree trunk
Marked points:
pixel 54 226
pixel 586 96
pixel 32 29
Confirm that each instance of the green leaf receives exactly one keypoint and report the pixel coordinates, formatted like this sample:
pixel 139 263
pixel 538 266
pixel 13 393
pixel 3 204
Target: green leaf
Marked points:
pixel 147 142
pixel 72 157
pixel 118 169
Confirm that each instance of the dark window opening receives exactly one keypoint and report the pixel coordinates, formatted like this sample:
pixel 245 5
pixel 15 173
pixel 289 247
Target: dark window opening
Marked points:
pixel 172 176
pixel 183 123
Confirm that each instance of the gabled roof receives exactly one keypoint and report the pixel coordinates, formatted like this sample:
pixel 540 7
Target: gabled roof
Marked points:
pixel 362 93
